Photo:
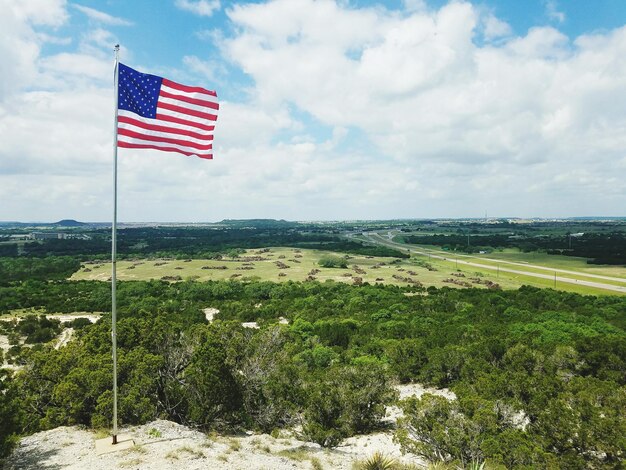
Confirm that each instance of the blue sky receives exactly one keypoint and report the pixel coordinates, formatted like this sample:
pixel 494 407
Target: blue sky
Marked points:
pixel 331 109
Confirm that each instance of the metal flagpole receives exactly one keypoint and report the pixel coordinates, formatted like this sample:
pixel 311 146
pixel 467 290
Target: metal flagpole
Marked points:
pixel 114 250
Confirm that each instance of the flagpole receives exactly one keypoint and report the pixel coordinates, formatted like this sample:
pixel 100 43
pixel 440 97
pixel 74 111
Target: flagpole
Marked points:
pixel 114 250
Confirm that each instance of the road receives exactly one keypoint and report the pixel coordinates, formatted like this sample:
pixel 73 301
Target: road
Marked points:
pixel 377 238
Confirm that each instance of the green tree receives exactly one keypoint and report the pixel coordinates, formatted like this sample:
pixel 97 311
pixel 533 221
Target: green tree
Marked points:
pixel 9 413
pixel 330 261
pixel 346 400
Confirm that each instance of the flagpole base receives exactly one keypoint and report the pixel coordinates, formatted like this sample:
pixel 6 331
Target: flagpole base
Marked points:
pixel 107 445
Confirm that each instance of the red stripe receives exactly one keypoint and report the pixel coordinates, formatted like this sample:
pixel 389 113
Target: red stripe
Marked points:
pixel 206 104
pixel 207 156
pixel 189 112
pixel 188 89
pixel 169 130
pixel 165 117
pixel 153 138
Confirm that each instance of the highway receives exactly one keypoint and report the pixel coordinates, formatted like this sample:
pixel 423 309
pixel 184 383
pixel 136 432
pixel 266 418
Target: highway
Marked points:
pixel 377 238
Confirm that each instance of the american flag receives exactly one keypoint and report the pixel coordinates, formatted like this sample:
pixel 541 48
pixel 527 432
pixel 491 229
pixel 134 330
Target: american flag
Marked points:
pixel 157 113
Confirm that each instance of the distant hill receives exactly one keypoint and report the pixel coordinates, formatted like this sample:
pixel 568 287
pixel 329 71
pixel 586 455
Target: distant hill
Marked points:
pixel 69 223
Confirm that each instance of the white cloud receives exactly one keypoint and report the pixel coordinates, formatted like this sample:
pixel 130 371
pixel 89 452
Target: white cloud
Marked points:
pixel 414 5
pixel 36 12
pixel 495 28
pixel 350 113
pixel 552 11
pixel 101 17
pixel 425 94
pixel 199 7
pixel 21 44
pixel 208 69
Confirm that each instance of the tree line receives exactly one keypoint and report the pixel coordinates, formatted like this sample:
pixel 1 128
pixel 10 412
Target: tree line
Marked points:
pixel 598 248
pixel 192 242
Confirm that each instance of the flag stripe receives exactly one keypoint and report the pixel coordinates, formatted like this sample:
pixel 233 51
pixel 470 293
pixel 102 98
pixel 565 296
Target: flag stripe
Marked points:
pixel 195 96
pixel 188 89
pixel 184 104
pixel 158 138
pixel 170 121
pixel 142 141
pixel 129 145
pixel 176 119
pixel 154 129
pixel 188 112
pixel 194 101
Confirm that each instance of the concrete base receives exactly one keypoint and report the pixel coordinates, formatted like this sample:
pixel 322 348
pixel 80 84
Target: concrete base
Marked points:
pixel 105 446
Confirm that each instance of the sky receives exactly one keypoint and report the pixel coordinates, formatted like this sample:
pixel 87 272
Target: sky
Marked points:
pixel 329 109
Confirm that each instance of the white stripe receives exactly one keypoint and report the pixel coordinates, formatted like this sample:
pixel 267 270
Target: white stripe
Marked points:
pixel 141 130
pixel 184 104
pixel 174 125
pixel 194 95
pixel 131 140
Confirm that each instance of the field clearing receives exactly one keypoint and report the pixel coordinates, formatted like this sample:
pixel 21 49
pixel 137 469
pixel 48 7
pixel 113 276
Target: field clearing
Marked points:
pixel 259 264
pixel 302 264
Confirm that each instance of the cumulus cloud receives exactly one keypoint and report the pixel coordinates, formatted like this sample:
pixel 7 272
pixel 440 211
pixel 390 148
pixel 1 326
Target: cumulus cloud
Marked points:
pixel 21 43
pixel 347 113
pixel 425 93
pixel 495 28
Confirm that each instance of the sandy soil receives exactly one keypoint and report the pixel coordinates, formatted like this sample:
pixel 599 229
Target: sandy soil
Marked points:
pixel 63 318
pixel 166 445
pixel 210 313
pixel 64 337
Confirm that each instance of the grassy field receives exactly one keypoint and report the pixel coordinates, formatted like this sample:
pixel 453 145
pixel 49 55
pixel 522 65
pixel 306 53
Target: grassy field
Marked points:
pixel 557 261
pixel 504 259
pixel 301 265
pixel 571 263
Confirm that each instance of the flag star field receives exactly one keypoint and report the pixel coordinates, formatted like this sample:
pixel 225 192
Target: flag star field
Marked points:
pixel 138 92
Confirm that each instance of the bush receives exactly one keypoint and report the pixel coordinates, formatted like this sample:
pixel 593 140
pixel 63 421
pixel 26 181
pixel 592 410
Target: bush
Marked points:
pixel 345 401
pixel 79 323
pixel 435 429
pixel 329 261
pixel 8 415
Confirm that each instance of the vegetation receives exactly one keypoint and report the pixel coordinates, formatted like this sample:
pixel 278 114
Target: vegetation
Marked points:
pixel 329 261
pixel 35 269
pixel 539 374
pixel 194 242
pixel 598 248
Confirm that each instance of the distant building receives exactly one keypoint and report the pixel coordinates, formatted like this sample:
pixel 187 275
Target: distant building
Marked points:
pixel 21 236
pixel 46 235
pixel 56 235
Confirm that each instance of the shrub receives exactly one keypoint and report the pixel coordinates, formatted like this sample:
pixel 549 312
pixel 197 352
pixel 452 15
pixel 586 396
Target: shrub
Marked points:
pixel 330 261
pixel 344 401
pixel 378 461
